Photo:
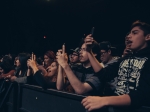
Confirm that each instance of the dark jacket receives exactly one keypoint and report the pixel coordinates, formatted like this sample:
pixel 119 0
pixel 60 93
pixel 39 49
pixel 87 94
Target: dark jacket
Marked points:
pixel 133 77
pixel 39 78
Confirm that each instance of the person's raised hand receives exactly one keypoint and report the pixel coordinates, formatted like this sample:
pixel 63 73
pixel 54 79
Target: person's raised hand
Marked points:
pixel 62 57
pixel 32 62
pixel 88 39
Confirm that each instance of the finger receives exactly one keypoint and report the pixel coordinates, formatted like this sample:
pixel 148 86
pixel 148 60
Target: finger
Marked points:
pixel 85 104
pixel 89 37
pixel 60 50
pixel 87 107
pixel 84 100
pixel 28 59
pixel 47 69
pixel 127 50
pixel 63 48
pixel 90 109
pixel 58 53
pixel 125 53
pixel 88 40
pixel 34 57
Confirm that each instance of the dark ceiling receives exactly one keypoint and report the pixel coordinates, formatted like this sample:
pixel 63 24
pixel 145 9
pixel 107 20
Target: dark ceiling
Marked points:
pixel 24 23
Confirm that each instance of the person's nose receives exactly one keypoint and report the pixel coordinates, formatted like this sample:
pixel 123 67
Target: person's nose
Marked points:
pixel 128 37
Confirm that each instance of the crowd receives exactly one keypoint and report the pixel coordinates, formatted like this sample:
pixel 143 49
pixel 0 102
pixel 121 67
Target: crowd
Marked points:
pixel 111 83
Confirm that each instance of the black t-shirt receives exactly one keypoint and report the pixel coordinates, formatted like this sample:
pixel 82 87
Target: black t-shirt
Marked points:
pixel 87 75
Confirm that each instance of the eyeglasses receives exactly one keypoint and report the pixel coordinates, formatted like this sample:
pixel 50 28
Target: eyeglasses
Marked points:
pixel 74 55
pixel 102 53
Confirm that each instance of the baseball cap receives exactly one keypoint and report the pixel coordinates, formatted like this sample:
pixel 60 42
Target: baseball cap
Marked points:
pixel 76 50
pixel 106 45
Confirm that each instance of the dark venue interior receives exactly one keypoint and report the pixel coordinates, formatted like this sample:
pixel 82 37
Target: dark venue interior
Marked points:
pixel 30 84
pixel 24 23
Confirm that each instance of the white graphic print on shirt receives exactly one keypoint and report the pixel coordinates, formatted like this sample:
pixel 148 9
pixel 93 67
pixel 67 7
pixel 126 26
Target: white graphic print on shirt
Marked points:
pixel 129 74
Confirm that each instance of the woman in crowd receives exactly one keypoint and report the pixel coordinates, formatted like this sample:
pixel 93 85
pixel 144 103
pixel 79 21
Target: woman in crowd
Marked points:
pixel 48 80
pixel 21 69
pixel 49 57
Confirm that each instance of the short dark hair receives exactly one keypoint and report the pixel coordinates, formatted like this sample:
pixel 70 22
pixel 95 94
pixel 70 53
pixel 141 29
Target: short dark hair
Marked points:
pixel 143 26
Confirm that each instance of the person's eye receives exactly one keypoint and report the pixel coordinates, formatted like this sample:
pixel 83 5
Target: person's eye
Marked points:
pixel 134 32
pixel 84 49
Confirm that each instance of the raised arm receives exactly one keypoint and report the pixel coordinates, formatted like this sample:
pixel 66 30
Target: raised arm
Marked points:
pixel 78 86
pixel 97 66
pixel 60 79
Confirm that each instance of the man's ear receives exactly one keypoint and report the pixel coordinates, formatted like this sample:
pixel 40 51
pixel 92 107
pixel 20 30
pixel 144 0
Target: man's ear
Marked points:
pixel 109 51
pixel 147 37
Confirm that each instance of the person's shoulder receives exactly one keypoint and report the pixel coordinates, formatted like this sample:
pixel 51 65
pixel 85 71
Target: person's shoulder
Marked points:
pixel 114 61
pixel 77 66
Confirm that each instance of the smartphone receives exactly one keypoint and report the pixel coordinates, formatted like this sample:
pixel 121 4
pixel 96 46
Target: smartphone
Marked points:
pixel 92 31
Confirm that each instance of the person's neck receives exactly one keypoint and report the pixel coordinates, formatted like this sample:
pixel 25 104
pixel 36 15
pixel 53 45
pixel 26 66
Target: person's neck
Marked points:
pixel 54 79
pixel 87 64
pixel 110 58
